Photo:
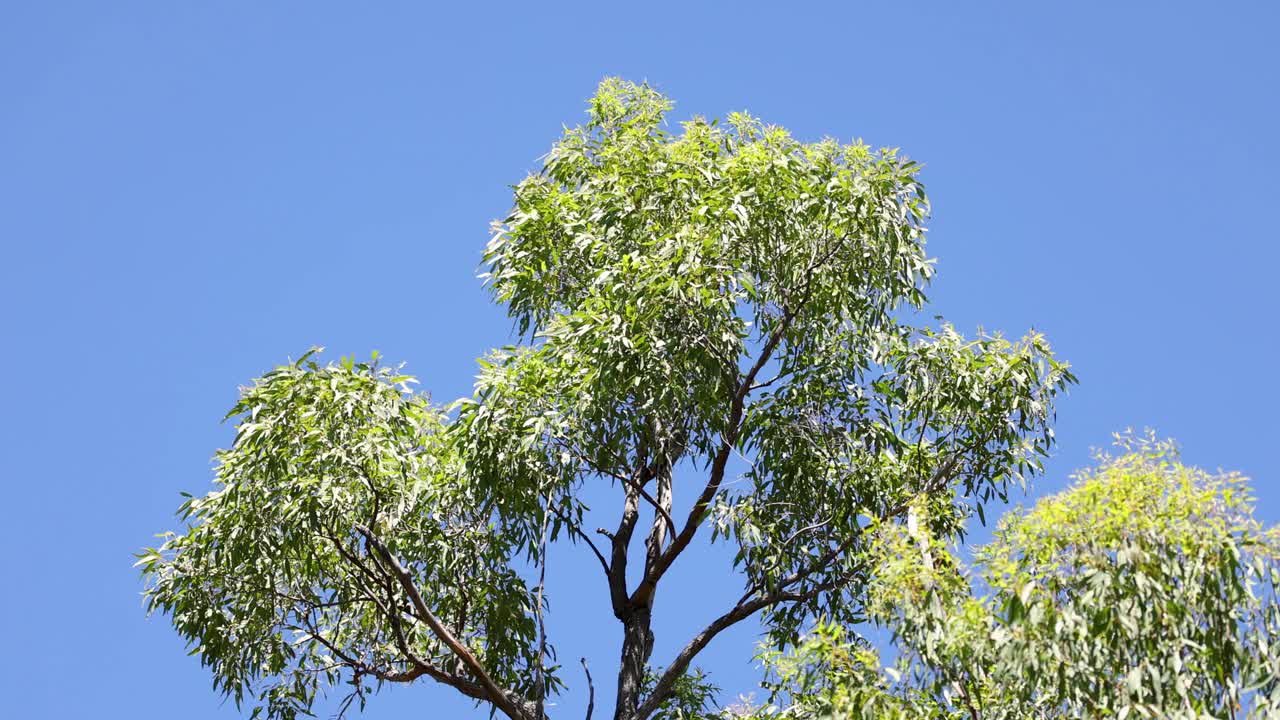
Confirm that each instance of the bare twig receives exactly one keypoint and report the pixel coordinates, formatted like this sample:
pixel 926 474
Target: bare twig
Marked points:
pixel 591 689
pixel 574 529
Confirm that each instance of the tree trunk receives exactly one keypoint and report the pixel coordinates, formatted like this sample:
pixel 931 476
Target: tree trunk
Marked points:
pixel 637 645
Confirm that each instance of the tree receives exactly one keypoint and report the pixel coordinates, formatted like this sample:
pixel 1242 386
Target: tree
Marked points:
pixel 1147 589
pixel 696 307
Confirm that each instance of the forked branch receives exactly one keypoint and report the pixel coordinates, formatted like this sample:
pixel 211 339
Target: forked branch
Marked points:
pixel 508 702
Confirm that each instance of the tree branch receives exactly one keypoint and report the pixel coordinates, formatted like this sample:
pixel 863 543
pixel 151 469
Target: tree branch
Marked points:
pixel 621 541
pixel 503 699
pixel 743 610
pixel 591 689
pixel 659 507
pixel 658 533
pixel 721 459
pixel 732 429
pixel 747 607
pixel 540 705
pixel 624 479
pixel 574 529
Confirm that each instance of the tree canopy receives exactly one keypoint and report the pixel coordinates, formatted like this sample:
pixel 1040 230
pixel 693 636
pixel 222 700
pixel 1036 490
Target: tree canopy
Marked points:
pixel 1147 589
pixel 721 323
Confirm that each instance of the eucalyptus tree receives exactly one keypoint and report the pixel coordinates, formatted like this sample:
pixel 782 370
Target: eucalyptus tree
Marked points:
pixel 716 323
pixel 1147 589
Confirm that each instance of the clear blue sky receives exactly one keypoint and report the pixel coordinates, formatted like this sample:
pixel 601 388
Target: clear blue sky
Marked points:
pixel 192 192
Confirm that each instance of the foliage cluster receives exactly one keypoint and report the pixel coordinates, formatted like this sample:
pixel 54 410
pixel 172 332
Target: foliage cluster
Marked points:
pixel 1148 589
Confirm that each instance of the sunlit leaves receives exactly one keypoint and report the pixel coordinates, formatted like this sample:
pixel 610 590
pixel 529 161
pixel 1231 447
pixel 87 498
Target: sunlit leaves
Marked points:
pixel 1146 590
pixel 270 583
pixel 655 261
pixel 693 698
pixel 665 274
pixel 716 310
pixel 1148 586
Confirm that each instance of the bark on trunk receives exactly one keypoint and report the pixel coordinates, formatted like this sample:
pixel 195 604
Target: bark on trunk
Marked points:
pixel 637 646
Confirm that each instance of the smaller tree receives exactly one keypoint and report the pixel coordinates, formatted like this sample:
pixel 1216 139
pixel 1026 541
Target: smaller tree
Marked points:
pixel 1148 589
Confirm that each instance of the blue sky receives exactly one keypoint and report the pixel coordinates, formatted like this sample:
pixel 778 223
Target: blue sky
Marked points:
pixel 191 193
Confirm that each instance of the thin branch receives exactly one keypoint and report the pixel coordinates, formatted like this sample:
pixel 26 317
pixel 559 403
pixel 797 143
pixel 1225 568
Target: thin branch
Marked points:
pixel 358 692
pixel 351 558
pixel 658 534
pixel 941 476
pixel 621 541
pixel 421 669
pixel 574 529
pixel 809 528
pixel 320 605
pixel 500 697
pixel 591 689
pixel 376 510
pixel 624 479
pixel 770 381
pixel 721 459
pixel 356 664
pixel 540 713
pixel 658 506
pixel 393 613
